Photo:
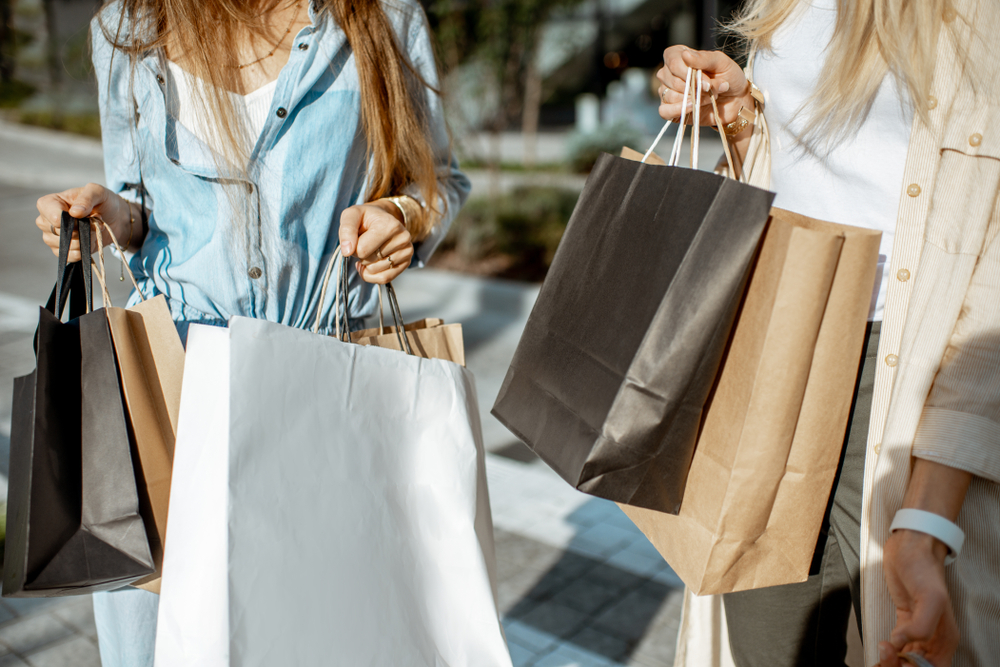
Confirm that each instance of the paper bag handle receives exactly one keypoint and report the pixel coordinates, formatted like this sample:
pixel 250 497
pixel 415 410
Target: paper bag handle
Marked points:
pixel 101 272
pixel 675 152
pixel 68 225
pixel 338 261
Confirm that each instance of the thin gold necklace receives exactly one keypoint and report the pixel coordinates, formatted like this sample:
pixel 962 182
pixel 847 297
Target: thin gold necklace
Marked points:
pixel 281 41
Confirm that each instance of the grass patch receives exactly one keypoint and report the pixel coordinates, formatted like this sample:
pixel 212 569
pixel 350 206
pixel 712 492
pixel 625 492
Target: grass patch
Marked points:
pixel 86 124
pixel 12 93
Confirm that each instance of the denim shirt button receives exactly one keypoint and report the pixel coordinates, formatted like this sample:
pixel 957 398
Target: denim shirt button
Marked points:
pixel 255 273
pixel 303 46
pixel 159 79
pixel 282 112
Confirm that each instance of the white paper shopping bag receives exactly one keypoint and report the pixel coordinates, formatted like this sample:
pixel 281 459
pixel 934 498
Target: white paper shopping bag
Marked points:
pixel 193 625
pixel 359 524
pixel 329 508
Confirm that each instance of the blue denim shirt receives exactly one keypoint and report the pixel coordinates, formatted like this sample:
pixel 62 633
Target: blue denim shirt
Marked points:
pixel 308 165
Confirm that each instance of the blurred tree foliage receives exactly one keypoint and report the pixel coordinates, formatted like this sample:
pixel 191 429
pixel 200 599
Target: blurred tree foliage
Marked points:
pixel 502 34
pixel 522 227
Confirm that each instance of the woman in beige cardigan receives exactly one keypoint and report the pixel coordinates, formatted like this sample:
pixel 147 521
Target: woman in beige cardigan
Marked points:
pixel 933 432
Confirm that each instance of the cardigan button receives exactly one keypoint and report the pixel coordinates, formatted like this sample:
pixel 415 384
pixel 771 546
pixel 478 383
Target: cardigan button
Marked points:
pixel 913 190
pixel 931 101
pixel 975 139
pixel 891 360
pixel 282 112
pixel 255 273
pixel 903 275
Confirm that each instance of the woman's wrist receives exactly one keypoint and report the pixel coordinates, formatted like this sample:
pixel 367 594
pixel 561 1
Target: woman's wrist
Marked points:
pixel 914 541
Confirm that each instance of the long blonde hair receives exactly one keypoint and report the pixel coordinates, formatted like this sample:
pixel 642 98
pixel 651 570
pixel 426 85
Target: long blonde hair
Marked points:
pixel 870 39
pixel 393 94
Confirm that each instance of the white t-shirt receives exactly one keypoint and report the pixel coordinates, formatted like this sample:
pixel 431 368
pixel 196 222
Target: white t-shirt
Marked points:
pixel 254 107
pixel 860 181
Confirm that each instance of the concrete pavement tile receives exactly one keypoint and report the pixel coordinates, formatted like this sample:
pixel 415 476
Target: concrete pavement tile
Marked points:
pixel 11 660
pixel 668 577
pixel 513 591
pixel 552 618
pixel 524 552
pixel 28 606
pixel 519 655
pixel 601 643
pixel 6 613
pixel 620 519
pixel 606 533
pixel 586 595
pixel 25 635
pixel 599 551
pixel 78 652
pixel 645 548
pixel 79 615
pixel 630 617
pixel 554 532
pixel 636 563
pixel 594 511
pixel 613 576
pixel 567 655
pixel 527 636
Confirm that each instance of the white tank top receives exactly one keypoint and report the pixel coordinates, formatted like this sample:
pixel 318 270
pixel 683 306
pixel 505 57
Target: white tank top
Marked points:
pixel 860 181
pixel 254 107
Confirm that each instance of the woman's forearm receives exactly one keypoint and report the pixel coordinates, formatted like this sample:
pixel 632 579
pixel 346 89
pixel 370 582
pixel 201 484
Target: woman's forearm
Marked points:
pixel 935 487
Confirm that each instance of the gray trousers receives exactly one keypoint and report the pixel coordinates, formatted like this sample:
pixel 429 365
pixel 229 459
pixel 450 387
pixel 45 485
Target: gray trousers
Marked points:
pixel 804 625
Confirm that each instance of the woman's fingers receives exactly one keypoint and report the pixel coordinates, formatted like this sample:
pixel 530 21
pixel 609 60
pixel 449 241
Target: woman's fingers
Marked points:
pixel 80 203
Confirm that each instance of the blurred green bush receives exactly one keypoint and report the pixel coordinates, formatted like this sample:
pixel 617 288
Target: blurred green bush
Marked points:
pixel 582 150
pixel 521 228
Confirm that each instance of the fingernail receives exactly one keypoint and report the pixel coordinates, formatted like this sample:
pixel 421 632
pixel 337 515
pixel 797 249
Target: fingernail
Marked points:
pixel 724 86
pixel 705 86
pixel 76 210
pixel 346 250
pixel 883 652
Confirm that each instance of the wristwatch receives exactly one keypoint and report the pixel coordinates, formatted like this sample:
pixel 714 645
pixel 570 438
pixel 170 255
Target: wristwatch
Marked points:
pixel 745 116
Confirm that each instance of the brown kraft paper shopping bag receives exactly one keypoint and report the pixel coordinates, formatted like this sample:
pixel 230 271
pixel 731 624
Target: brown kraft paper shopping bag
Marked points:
pixel 151 362
pixel 774 426
pixel 429 338
pixel 151 365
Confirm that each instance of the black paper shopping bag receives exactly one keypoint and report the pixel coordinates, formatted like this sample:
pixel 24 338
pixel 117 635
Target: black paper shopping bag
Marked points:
pixel 73 521
pixel 622 346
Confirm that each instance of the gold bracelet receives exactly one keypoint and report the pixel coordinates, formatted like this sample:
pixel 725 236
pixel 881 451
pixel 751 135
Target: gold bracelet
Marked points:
pixel 745 116
pixel 413 214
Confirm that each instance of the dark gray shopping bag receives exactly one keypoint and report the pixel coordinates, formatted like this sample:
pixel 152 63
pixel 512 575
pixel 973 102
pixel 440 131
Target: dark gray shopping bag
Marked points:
pixel 622 346
pixel 73 508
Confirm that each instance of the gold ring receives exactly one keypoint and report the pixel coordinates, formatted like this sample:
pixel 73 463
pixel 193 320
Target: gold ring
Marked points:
pixel 378 253
pixel 663 95
pixel 52 228
pixel 389 259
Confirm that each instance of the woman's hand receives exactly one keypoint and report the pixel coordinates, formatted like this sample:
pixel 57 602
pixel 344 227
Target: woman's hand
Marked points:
pixel 91 199
pixel 720 74
pixel 376 234
pixel 925 622
pixel 913 563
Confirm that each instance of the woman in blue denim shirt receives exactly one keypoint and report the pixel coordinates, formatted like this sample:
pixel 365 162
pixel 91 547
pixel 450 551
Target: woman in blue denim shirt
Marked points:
pixel 244 142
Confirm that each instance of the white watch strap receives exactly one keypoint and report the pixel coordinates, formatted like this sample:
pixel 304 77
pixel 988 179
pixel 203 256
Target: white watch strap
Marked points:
pixel 934 525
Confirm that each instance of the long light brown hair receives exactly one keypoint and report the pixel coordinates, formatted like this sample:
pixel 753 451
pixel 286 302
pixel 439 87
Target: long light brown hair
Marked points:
pixel 393 94
pixel 870 39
